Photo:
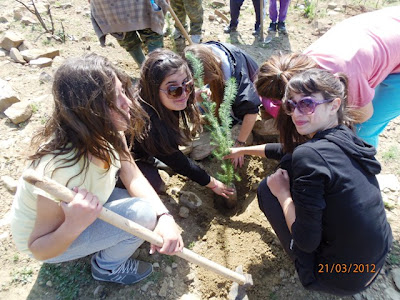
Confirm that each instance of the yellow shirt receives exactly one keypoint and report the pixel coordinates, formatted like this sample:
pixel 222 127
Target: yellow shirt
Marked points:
pixel 99 181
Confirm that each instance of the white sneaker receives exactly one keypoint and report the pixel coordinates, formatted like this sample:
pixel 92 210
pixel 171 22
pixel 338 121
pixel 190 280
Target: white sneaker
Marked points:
pixel 196 38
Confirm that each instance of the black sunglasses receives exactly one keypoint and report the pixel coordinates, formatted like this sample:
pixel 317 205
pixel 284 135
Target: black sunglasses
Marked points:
pixel 175 91
pixel 306 105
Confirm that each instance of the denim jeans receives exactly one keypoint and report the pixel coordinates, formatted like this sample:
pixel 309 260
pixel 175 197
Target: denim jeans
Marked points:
pixel 112 245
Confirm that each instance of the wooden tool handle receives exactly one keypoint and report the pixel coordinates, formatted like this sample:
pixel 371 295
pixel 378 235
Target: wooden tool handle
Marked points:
pixel 63 193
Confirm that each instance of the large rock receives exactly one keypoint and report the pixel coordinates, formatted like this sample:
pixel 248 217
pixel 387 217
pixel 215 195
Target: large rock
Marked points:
pixel 7 95
pixel 33 54
pixel 41 62
pixel 19 112
pixel 16 56
pixel 11 40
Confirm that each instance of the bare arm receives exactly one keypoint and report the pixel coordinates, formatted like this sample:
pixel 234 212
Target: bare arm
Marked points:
pixel 56 227
pixel 256 150
pixel 247 127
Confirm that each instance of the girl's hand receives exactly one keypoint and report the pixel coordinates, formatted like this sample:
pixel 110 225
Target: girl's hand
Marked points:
pixel 169 231
pixel 203 91
pixel 236 157
pixel 219 188
pixel 279 184
pixel 82 211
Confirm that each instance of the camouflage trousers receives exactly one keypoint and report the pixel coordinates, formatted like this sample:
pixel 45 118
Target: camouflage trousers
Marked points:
pixel 133 41
pixel 193 9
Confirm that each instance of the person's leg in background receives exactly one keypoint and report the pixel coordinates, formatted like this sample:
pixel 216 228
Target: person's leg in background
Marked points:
pixel 234 6
pixel 178 6
pixel 195 12
pixel 257 9
pixel 133 44
pixel 273 15
pixel 152 40
pixel 283 8
pixel 386 105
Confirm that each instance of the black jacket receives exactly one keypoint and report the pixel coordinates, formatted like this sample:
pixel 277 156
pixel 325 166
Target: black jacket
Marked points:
pixel 177 161
pixel 340 215
pixel 243 69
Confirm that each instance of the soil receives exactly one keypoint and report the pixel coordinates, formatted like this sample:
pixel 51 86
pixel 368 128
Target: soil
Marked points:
pixel 231 237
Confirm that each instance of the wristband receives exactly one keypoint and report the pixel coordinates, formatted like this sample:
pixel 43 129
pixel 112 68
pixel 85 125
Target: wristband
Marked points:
pixel 237 142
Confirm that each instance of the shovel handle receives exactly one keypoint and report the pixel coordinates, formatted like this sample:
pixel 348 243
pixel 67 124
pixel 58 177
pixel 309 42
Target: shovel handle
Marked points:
pixel 63 193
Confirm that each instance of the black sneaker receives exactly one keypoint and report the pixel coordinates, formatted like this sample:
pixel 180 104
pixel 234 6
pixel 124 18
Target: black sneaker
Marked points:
pixel 272 27
pixel 282 27
pixel 229 29
pixel 130 272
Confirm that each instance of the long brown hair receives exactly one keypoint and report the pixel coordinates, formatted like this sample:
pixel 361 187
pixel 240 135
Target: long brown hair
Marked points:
pixel 81 124
pixel 213 75
pixel 181 126
pixel 311 81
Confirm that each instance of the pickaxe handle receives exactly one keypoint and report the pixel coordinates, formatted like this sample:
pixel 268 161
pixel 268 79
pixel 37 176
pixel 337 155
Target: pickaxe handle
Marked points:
pixel 63 193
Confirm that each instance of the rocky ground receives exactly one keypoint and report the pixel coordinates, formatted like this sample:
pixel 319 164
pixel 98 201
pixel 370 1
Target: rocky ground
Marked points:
pixel 240 236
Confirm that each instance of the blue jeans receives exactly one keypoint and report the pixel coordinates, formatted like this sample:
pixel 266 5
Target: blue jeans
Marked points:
pixel 386 105
pixel 112 245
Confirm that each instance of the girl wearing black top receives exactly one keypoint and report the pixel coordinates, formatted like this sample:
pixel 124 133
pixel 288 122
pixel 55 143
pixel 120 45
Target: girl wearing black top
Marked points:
pixel 165 90
pixel 324 203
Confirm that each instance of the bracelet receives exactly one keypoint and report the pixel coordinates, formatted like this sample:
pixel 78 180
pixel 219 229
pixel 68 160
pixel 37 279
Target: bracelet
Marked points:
pixel 237 142
pixel 165 214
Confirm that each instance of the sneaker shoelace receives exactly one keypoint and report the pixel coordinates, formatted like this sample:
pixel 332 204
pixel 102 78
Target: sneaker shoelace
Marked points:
pixel 130 266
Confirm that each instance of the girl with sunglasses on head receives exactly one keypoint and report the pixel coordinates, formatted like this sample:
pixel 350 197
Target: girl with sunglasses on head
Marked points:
pixel 324 202
pixel 166 92
pixel 222 61
pixel 83 147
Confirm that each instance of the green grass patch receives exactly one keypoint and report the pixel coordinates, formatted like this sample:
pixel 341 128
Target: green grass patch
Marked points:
pixel 392 153
pixel 22 276
pixel 66 278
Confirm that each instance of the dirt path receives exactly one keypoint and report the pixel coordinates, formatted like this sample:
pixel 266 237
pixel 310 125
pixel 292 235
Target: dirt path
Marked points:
pixel 230 237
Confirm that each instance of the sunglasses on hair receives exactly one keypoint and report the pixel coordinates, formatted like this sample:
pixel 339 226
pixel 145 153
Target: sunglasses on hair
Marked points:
pixel 175 91
pixel 306 105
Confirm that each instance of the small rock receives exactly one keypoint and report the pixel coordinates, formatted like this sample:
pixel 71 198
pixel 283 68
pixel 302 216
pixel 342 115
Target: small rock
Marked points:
pixel 163 289
pixel 19 112
pixel 189 278
pixel 156 265
pixel 190 199
pixel 174 265
pixel 27 20
pixel 168 270
pixel 45 77
pixel 332 5
pixel 98 291
pixel 396 277
pixel 7 95
pixel 49 283
pixel 146 286
pixel 184 212
pixel 10 183
pixel 26 45
pixel 190 297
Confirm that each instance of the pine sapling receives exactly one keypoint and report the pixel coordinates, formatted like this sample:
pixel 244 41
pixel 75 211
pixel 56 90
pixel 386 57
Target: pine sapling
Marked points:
pixel 219 126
